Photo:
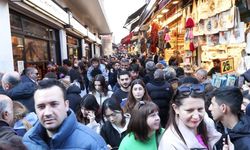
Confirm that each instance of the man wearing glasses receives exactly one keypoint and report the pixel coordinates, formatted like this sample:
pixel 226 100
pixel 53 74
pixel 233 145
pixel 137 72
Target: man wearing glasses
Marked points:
pixel 30 75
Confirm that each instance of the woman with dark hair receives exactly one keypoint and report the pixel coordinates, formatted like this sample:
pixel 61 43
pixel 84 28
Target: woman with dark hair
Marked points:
pixel 89 113
pixel 144 129
pixel 100 89
pixel 116 122
pixel 138 92
pixel 189 127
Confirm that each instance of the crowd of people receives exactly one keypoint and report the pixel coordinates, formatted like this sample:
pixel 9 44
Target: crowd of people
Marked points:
pixel 125 103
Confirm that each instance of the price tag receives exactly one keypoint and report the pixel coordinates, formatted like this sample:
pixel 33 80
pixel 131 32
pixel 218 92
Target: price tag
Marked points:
pixel 227 65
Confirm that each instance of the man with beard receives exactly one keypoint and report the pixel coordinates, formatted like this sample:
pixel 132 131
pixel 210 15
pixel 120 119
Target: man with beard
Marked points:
pixel 124 80
pixel 58 127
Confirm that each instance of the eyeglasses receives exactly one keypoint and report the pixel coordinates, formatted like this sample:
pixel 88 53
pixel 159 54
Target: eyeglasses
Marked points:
pixel 186 90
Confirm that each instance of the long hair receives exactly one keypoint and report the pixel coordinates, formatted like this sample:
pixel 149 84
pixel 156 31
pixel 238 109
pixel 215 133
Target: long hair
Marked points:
pixel 131 101
pixel 20 111
pixel 89 103
pixel 113 104
pixel 104 85
pixel 138 122
pixel 178 101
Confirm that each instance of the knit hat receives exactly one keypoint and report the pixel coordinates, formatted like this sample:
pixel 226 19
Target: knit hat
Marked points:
pixel 150 65
pixel 189 23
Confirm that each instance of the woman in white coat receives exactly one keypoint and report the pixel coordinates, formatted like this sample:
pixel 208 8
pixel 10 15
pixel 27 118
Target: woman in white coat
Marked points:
pixel 189 127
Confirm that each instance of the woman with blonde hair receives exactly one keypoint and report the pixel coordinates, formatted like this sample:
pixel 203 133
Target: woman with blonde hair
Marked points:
pixel 23 119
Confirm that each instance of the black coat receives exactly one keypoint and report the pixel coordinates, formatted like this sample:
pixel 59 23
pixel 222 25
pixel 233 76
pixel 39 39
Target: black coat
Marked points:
pixel 23 92
pixel 240 134
pixel 73 95
pixel 7 132
pixel 111 135
pixel 161 93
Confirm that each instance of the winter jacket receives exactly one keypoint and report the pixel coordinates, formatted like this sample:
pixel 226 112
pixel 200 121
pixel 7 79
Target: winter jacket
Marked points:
pixel 102 69
pixel 171 140
pixel 73 95
pixel 19 127
pixel 111 134
pixel 240 134
pixel 129 142
pixel 7 132
pixel 25 78
pixel 100 97
pixel 23 93
pixel 161 93
pixel 70 135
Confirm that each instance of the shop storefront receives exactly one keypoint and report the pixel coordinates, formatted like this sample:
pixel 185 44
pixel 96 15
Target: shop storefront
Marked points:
pixel 33 43
pixel 74 47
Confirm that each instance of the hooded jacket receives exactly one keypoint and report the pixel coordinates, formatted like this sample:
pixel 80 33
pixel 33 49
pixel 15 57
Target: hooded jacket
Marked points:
pixel 240 134
pixel 73 95
pixel 70 135
pixel 23 93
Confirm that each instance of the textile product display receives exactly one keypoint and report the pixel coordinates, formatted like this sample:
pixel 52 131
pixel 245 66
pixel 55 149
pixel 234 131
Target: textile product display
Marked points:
pixel 189 23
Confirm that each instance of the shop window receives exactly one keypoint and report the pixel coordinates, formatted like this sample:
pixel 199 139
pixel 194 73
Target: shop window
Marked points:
pixel 53 52
pixel 17 45
pixel 36 50
pixel 34 29
pixel 15 22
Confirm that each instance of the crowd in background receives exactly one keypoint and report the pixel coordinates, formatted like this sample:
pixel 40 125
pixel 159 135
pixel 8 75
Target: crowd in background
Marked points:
pixel 121 102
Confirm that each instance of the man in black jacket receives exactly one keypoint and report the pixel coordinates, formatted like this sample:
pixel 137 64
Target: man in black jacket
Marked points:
pixel 161 94
pixel 226 109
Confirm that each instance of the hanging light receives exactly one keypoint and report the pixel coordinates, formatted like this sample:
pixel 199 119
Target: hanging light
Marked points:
pixel 159 16
pixel 165 10
pixel 175 2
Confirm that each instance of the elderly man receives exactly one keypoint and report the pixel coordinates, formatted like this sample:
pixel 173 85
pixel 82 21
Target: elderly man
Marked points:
pixel 19 91
pixel 58 127
pixel 6 118
pixel 30 75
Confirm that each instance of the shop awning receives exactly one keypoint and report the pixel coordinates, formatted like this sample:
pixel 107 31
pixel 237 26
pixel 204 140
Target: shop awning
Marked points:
pixel 135 16
pixel 152 5
pixel 126 39
pixel 134 25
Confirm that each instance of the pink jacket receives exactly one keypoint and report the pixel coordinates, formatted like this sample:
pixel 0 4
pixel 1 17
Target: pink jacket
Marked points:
pixel 171 141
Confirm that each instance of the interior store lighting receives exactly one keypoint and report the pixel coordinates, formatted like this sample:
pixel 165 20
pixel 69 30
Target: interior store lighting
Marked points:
pixel 175 2
pixel 165 10
pixel 159 16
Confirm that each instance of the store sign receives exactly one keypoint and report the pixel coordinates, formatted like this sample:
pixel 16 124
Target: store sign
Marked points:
pixel 227 65
pixel 49 8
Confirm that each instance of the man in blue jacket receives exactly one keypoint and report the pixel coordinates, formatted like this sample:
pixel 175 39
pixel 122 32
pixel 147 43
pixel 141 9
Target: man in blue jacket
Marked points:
pixel 58 127
pixel 226 108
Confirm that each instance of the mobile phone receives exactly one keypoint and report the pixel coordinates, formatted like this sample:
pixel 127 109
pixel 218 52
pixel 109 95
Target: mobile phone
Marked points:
pixel 226 135
pixel 241 81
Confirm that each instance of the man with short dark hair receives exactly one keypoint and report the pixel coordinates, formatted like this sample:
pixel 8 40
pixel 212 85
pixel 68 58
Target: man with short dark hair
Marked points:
pixel 216 68
pixel 226 108
pixel 58 127
pixel 124 80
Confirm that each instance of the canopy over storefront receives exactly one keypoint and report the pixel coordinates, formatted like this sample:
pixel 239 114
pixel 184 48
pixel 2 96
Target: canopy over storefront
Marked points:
pixel 126 39
pixel 135 16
